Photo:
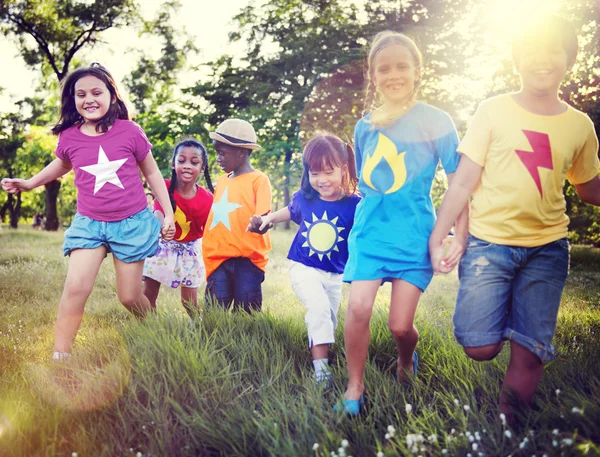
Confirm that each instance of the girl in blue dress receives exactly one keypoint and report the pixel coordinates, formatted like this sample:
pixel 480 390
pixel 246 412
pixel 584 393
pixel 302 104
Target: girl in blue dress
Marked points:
pixel 398 144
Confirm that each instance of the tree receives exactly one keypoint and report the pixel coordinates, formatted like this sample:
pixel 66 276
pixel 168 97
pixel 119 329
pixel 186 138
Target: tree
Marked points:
pixel 303 70
pixel 59 28
pixel 151 85
pixel 11 139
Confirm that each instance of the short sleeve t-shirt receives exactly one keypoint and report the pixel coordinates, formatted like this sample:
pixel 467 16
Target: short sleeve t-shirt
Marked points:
pixel 107 178
pixel 321 241
pixel 236 200
pixel 190 215
pixel 525 159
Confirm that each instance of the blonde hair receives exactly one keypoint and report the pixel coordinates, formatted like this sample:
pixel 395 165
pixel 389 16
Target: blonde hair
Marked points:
pixel 380 41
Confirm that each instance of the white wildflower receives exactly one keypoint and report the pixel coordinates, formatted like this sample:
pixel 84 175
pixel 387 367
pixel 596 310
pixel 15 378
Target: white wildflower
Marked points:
pixel 467 407
pixel 315 446
pixel 408 408
pixel 341 452
pixel 576 410
pixel 387 436
pixel 503 418
pixel 345 443
pixel 477 436
pixel 74 454
pixel 453 431
pixel 554 443
pixel 568 441
pixel 474 446
pixel 432 438
pixel 555 431
pixel 391 430
pixel 380 454
pixel 557 392
pixel 444 451
pixel 508 434
pixel 456 402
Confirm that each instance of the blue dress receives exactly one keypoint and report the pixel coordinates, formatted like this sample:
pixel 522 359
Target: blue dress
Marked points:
pixel 396 166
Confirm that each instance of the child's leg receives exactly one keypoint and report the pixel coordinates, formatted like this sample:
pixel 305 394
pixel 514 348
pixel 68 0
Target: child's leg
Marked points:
pixel 247 289
pixel 129 287
pixel 84 265
pixel 189 300
pixel 219 285
pixel 522 378
pixel 357 333
pixel 536 299
pixel 150 288
pixel 404 301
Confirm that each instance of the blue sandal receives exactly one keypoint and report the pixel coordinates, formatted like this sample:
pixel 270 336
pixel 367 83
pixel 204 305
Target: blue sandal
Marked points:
pixel 415 358
pixel 350 407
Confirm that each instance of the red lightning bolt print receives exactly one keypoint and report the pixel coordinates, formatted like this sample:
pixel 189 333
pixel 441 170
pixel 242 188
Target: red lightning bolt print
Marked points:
pixel 541 156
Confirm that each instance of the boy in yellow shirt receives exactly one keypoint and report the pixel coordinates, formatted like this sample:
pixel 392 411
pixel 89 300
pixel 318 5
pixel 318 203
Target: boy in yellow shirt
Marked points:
pixel 235 259
pixel 515 156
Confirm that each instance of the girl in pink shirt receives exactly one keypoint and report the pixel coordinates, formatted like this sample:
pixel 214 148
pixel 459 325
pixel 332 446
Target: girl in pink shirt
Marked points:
pixel 107 151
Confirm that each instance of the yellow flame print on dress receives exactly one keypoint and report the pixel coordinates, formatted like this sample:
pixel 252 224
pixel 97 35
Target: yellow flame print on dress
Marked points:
pixel 181 220
pixel 322 236
pixel 386 149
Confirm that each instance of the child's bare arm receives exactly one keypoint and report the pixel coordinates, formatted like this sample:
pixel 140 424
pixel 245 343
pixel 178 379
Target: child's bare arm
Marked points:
pixel 589 192
pixel 54 170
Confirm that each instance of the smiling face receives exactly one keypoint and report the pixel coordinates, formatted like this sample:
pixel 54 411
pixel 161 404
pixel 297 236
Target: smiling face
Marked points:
pixel 327 182
pixel 188 164
pixel 394 73
pixel 542 65
pixel 92 99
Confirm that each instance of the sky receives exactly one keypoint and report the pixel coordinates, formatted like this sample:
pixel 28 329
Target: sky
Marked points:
pixel 208 25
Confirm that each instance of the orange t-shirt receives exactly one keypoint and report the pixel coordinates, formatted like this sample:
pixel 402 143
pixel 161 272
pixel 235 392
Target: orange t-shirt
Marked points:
pixel 236 200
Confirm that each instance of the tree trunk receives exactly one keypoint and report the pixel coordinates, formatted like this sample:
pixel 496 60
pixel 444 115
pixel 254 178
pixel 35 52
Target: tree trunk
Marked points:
pixel 14 209
pixel 52 189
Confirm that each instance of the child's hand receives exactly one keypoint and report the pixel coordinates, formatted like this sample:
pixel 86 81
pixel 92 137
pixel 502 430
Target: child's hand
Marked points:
pixel 449 252
pixel 14 185
pixel 259 224
pixel 168 229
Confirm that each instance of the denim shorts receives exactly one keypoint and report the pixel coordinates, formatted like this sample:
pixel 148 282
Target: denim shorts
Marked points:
pixel 510 293
pixel 130 240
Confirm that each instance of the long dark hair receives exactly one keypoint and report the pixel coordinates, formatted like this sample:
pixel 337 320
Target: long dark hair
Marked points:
pixel 325 150
pixel 190 143
pixel 68 112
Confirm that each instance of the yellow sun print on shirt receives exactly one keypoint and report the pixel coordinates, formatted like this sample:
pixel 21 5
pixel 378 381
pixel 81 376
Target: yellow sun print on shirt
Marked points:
pixel 322 236
pixel 184 224
pixel 386 149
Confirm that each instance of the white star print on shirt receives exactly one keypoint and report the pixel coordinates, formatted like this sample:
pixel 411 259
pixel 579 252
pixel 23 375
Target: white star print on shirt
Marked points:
pixel 105 171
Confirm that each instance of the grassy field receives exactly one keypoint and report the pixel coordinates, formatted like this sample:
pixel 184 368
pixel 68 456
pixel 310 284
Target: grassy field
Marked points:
pixel 234 385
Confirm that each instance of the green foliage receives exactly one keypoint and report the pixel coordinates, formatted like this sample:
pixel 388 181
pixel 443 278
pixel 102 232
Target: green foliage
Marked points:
pixel 60 28
pixel 230 384
pixel 151 85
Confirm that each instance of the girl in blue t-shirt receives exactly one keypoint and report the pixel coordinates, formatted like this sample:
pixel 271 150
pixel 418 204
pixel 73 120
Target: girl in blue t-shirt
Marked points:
pixel 324 209
pixel 399 143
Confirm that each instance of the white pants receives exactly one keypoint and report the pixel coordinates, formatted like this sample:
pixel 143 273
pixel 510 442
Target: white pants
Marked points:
pixel 321 293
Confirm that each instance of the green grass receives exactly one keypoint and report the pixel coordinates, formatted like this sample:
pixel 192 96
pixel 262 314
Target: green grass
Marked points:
pixel 234 385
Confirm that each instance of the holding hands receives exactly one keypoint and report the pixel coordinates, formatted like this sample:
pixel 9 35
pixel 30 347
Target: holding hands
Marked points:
pixel 445 255
pixel 168 229
pixel 260 224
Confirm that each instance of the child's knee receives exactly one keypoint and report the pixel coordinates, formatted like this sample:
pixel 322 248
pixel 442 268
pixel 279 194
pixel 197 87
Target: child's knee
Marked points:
pixel 401 330
pixel 76 288
pixel 359 310
pixel 484 353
